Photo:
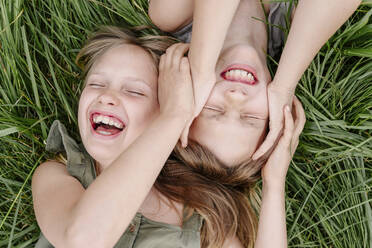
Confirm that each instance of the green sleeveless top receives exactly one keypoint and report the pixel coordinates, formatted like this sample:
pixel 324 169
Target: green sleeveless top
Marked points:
pixel 141 232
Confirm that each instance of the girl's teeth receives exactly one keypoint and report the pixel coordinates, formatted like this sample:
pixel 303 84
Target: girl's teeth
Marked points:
pixel 239 75
pixel 103 132
pixel 106 120
pixel 118 125
pixel 250 77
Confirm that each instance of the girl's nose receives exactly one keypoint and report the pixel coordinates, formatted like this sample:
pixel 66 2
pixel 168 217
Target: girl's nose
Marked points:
pixel 109 98
pixel 235 95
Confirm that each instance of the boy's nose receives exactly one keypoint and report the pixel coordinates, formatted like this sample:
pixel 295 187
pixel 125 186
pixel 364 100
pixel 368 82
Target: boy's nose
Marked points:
pixel 108 98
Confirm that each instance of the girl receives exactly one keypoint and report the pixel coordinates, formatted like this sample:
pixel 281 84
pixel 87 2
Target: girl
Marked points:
pixel 104 195
pixel 125 131
pixel 313 24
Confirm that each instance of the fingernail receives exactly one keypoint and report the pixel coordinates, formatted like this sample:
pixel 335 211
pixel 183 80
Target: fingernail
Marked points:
pixel 287 108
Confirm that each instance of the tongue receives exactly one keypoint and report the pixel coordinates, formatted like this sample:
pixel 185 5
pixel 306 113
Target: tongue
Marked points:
pixel 107 130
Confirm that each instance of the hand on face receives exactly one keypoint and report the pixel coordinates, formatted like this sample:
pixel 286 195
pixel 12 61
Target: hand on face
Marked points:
pixel 277 99
pixel 175 91
pixel 203 84
pixel 275 170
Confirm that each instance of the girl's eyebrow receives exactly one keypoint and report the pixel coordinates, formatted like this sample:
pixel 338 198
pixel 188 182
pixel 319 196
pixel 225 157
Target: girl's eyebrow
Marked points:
pixel 257 121
pixel 133 79
pixel 95 74
pixel 137 80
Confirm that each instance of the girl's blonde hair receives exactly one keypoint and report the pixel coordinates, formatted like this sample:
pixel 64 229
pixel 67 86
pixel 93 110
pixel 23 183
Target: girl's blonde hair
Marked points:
pixel 224 196
pixel 110 36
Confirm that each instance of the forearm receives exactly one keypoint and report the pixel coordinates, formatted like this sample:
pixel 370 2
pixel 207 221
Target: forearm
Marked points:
pixel 212 19
pixel 110 202
pixel 272 230
pixel 314 23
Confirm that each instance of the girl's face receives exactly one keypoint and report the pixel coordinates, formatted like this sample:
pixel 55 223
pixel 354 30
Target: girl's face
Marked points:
pixel 234 120
pixel 118 102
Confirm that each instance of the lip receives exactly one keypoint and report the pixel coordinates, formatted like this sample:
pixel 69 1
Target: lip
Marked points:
pixel 244 67
pixel 109 114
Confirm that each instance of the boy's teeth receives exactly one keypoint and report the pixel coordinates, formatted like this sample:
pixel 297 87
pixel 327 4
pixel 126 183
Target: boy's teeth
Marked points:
pixel 111 122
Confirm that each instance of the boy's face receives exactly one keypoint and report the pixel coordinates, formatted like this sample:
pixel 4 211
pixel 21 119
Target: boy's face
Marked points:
pixel 118 102
pixel 234 120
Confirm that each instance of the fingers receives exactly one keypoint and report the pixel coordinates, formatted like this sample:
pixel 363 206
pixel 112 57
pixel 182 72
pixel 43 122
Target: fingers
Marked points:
pixel 300 117
pixel 175 53
pixel 298 125
pixel 162 62
pixel 268 143
pixel 185 65
pixel 288 128
pixel 185 134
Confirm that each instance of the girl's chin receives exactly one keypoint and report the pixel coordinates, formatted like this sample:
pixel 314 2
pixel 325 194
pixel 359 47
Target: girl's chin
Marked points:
pixel 103 156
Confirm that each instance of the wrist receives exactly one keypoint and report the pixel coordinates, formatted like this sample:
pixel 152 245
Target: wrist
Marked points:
pixel 200 69
pixel 273 186
pixel 177 119
pixel 200 64
pixel 288 88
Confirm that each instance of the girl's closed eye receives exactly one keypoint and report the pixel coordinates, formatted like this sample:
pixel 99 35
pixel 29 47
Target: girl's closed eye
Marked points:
pixel 213 112
pixel 135 92
pixel 253 120
pixel 215 109
pixel 136 88
pixel 96 85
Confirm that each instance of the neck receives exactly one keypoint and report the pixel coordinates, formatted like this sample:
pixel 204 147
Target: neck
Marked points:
pixel 248 27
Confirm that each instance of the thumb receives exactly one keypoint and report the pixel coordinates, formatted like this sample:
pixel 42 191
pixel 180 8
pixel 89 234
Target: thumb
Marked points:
pixel 185 135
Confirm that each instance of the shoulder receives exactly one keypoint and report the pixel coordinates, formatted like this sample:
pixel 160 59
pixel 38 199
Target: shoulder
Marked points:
pixel 51 173
pixel 50 166
pixel 54 193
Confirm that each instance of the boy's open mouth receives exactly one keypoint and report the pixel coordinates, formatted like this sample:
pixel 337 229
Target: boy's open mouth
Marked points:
pixel 106 125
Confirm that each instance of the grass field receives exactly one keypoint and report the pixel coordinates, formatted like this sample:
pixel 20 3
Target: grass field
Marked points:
pixel 329 182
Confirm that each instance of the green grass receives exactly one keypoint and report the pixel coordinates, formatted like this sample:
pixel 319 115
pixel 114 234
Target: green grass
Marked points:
pixel 329 195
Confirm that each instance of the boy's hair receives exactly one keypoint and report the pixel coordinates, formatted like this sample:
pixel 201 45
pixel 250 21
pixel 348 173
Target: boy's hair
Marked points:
pixel 110 36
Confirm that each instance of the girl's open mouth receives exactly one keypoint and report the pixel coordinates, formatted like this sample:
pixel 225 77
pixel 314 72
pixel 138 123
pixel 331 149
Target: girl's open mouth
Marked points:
pixel 106 125
pixel 240 73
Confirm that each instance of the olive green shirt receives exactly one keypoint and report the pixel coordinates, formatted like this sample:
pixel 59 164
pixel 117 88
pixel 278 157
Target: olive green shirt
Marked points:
pixel 141 232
